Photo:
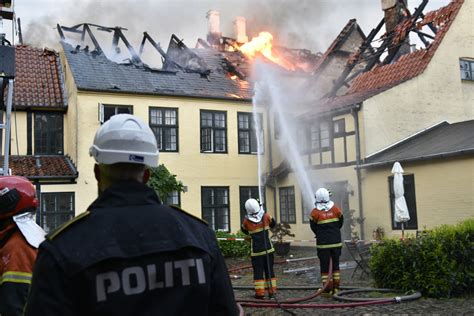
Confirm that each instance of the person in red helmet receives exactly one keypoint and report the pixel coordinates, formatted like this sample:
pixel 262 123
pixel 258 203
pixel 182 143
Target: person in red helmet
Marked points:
pixel 20 237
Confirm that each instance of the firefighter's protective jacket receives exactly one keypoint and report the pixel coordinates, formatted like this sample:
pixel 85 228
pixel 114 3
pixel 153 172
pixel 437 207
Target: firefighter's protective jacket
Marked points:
pixel 259 234
pixel 17 258
pixel 326 226
pixel 130 255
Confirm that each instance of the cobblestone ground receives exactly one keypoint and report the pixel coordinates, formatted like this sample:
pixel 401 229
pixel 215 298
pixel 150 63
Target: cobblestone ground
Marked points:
pixel 306 273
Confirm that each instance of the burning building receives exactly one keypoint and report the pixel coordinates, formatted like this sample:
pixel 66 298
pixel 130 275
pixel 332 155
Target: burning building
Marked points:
pixel 199 105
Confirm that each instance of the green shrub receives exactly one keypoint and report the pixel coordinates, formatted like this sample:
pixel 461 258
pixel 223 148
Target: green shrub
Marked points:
pixel 439 264
pixel 231 248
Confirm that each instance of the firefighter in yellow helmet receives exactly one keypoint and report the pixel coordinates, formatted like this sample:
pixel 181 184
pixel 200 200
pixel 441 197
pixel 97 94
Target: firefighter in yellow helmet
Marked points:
pixel 257 223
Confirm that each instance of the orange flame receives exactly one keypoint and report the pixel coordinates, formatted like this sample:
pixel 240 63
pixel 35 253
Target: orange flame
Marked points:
pixel 233 77
pixel 262 44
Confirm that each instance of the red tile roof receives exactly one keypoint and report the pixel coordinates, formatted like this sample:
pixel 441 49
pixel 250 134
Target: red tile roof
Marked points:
pixel 38 81
pixel 42 167
pixel 410 65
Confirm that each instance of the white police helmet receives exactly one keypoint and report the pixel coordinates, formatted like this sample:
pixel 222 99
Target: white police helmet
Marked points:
pixel 125 138
pixel 323 201
pixel 254 210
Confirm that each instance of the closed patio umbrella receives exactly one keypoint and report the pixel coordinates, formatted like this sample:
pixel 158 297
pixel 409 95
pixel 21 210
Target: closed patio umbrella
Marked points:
pixel 401 209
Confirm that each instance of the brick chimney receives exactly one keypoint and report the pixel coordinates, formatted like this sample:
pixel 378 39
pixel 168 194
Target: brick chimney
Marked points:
pixel 394 11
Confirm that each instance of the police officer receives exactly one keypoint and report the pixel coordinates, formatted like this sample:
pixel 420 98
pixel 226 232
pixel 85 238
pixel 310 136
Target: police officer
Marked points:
pixel 19 240
pixel 326 220
pixel 128 254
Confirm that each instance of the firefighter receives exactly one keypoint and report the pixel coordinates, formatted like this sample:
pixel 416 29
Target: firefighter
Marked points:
pixel 19 240
pixel 326 220
pixel 257 223
pixel 128 254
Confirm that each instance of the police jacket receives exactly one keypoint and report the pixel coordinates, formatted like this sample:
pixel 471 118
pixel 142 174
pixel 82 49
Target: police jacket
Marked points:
pixel 16 265
pixel 326 226
pixel 130 255
pixel 261 243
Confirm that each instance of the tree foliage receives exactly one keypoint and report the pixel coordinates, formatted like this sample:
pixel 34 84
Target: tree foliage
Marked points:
pixel 164 182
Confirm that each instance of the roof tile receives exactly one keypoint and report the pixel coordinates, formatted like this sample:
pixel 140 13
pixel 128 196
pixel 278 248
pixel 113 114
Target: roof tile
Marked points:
pixel 42 166
pixel 38 78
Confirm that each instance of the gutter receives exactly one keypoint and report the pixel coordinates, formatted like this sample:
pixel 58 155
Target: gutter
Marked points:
pixel 167 94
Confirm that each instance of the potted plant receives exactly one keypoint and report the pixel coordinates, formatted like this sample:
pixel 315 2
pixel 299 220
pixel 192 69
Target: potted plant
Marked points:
pixel 281 230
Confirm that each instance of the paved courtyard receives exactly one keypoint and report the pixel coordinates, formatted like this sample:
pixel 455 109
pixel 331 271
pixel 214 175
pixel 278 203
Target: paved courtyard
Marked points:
pixel 306 273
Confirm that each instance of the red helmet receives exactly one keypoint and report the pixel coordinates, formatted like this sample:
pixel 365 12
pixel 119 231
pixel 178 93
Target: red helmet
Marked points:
pixel 17 195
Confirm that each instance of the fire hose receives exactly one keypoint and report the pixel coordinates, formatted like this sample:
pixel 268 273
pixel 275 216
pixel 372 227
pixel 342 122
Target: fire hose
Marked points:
pixel 355 302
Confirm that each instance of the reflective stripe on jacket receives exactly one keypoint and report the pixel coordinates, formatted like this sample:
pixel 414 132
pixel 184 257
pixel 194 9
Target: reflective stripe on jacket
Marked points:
pixel 259 234
pixel 17 258
pixel 326 226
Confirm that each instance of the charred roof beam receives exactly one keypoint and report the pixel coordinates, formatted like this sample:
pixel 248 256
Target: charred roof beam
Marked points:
pixel 352 62
pixel 414 18
pixel 156 45
pixel 85 29
pixel 423 36
pixel 135 58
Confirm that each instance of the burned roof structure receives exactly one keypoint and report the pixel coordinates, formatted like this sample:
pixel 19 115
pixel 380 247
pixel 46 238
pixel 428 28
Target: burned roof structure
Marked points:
pixel 386 67
pixel 185 72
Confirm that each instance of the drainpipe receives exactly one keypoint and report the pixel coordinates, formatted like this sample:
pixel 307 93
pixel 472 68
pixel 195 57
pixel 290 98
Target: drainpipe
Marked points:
pixel 355 114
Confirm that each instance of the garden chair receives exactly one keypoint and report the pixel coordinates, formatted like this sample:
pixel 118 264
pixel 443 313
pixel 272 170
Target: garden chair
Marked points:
pixel 360 252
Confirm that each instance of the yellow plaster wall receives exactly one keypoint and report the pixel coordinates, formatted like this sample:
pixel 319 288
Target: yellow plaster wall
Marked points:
pixel 193 168
pixel 18 134
pixel 71 119
pixel 444 191
pixel 437 94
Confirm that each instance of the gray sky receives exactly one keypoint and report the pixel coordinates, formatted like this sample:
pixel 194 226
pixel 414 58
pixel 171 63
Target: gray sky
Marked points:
pixel 311 24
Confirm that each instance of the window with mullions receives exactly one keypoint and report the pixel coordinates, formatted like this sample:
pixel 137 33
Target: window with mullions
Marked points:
pixel 48 133
pixel 247 133
pixel 164 124
pixel 410 198
pixel 467 68
pixel 215 207
pixel 106 111
pixel 320 136
pixel 213 132
pixel 173 198
pixel 339 128
pixel 56 209
pixel 287 205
